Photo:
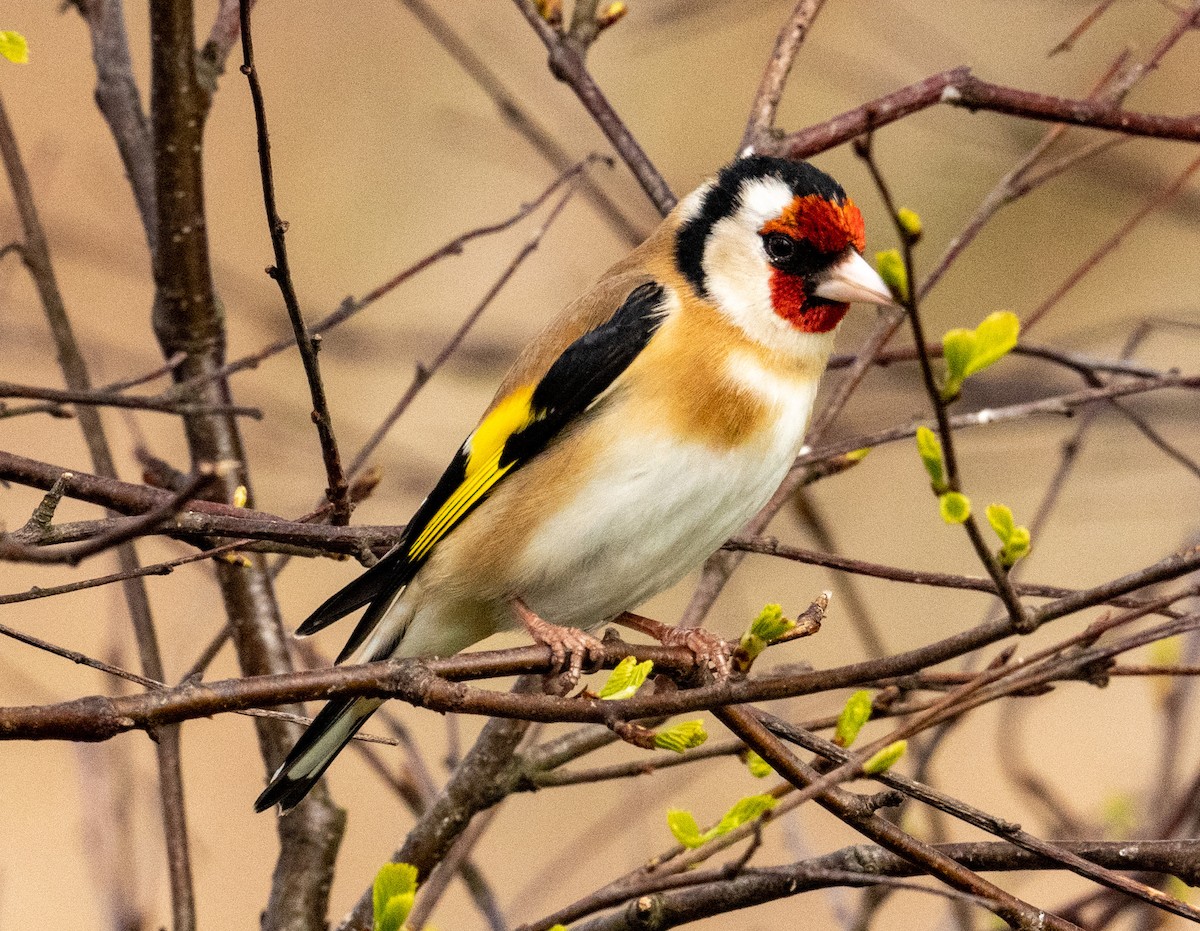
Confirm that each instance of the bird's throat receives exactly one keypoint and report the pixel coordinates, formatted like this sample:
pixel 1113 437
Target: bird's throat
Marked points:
pixel 790 301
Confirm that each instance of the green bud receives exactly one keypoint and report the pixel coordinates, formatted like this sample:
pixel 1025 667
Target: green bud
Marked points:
pixel 910 222
pixel 682 736
pixel 759 768
pixel 768 627
pixel 930 450
pixel 891 269
pixel 626 679
pixel 14 47
pixel 855 714
pixel 954 506
pixel 966 352
pixel 683 826
pixel 393 894
pixel 886 758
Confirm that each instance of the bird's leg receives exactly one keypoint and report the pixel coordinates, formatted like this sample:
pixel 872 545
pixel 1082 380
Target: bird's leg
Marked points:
pixel 568 645
pixel 709 649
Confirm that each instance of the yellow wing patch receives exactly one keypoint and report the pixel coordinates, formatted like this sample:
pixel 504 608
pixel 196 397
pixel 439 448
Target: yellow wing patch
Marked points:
pixel 510 415
pixel 483 468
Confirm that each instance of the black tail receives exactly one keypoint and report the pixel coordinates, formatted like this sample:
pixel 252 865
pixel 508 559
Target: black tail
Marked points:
pixel 332 729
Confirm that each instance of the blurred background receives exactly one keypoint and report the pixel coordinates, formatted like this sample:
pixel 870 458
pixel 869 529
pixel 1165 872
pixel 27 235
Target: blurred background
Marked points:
pixel 384 149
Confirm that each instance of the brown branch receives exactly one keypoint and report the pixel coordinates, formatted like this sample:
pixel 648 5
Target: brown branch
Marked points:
pixel 770 89
pixel 568 67
pixel 187 319
pixel 769 546
pixel 1157 202
pixel 850 810
pixel 435 683
pixel 716 894
pixel 911 302
pixel 107 398
pixel 122 532
pixel 1084 25
pixel 959 88
pixel 36 256
pixel 338 491
pixel 120 103
pixel 474 787
pixel 515 114
pixel 424 373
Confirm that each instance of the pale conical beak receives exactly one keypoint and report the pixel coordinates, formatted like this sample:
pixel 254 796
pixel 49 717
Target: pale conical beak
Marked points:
pixel 852 280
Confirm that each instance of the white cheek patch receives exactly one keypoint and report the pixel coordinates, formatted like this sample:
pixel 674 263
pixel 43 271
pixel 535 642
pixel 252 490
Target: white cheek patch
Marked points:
pixel 737 275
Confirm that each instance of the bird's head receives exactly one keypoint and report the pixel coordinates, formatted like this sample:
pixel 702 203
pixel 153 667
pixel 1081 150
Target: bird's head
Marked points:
pixel 776 246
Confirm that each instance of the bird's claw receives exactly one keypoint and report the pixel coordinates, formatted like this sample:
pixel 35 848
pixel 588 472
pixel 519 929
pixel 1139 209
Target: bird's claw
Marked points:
pixel 711 651
pixel 569 648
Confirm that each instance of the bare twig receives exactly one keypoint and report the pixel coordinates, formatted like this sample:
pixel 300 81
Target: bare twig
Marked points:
pixel 779 65
pixel 338 491
pixel 36 253
pixel 567 66
pixel 959 88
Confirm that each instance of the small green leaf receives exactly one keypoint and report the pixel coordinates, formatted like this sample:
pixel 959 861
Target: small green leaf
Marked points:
pixel 966 352
pixel 885 759
pixel 910 222
pixel 626 679
pixel 759 768
pixel 955 507
pixel 958 348
pixel 558 928
pixel 768 627
pixel 682 736
pixel 1015 541
pixel 393 894
pixel 891 269
pixel 855 714
pixel 995 338
pixel 746 810
pixel 1017 547
pixel 858 455
pixel 683 826
pixel 1001 518
pixel 14 47
pixel 930 450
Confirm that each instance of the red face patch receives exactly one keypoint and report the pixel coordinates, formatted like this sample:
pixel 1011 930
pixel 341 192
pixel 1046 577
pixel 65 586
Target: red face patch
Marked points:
pixel 790 301
pixel 830 228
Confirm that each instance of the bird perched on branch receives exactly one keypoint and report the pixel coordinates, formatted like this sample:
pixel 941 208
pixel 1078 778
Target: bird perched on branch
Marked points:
pixel 645 425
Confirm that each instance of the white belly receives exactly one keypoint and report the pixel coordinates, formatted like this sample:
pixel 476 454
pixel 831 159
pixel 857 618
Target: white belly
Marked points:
pixel 655 511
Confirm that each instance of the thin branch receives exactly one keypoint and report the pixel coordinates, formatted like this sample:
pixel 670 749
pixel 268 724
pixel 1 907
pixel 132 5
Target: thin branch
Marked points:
pixel 423 372
pixel 1016 912
pixel 1157 202
pixel 187 318
pixel 567 66
pixel 120 103
pixel 770 89
pixel 517 115
pixel 338 491
pixel 121 532
pixel 959 88
pixel 107 398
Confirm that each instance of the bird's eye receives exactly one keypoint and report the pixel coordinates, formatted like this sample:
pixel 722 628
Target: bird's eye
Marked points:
pixel 779 246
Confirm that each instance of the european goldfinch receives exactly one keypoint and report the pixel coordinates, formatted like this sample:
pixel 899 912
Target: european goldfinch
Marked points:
pixel 643 427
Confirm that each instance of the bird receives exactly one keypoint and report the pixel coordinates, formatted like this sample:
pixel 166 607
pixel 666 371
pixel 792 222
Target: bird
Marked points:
pixel 641 429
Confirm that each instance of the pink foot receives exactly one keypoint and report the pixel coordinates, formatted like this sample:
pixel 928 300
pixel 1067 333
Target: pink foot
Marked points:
pixel 711 651
pixel 569 647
